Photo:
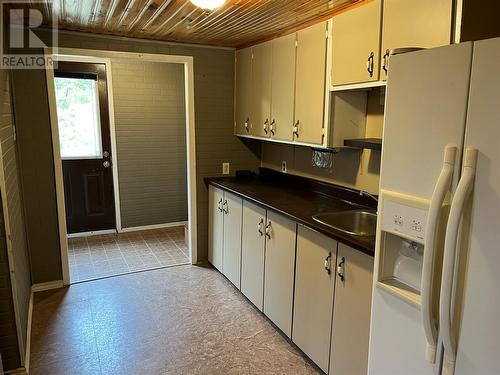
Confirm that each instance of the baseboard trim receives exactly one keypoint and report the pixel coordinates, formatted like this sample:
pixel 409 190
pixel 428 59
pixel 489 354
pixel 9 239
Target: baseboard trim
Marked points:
pixel 27 354
pixel 56 284
pixel 154 226
pixel 17 371
pixel 91 233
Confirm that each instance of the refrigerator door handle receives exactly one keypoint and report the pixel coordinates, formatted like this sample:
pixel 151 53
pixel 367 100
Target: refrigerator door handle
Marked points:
pixel 462 193
pixel 442 187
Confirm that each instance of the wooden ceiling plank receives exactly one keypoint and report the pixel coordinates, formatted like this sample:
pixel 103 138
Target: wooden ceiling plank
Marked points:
pixel 132 25
pixel 156 13
pixel 172 16
pixel 96 10
pixel 126 11
pixel 110 12
pixel 166 30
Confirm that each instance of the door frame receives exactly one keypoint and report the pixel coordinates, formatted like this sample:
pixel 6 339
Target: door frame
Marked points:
pixel 103 56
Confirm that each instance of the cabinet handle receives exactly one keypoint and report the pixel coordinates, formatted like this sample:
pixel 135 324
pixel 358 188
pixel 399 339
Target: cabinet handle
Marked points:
pixel 340 269
pixel 369 64
pixel 296 129
pixel 225 207
pixel 271 127
pixel 268 230
pixel 265 126
pixel 385 62
pixel 327 263
pixel 247 121
pixel 259 227
pixel 219 205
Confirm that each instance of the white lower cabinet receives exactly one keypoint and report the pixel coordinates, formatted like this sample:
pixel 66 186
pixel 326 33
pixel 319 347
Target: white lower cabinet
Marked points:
pixel 314 282
pixel 279 271
pixel 215 227
pixel 232 208
pixel 289 271
pixel 252 253
pixel 351 312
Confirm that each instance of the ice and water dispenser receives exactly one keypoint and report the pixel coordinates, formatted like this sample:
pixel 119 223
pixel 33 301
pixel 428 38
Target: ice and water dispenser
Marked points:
pixel 402 232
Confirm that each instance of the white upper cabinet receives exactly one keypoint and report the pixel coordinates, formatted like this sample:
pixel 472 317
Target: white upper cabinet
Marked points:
pixel 283 87
pixel 310 84
pixel 415 23
pixel 243 91
pixel 260 112
pixel 356 44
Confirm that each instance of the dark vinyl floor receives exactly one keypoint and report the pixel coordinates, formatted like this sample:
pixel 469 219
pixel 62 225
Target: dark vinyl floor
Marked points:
pixel 179 320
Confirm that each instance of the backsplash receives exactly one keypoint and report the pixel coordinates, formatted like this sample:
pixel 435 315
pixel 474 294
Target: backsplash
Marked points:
pixel 359 169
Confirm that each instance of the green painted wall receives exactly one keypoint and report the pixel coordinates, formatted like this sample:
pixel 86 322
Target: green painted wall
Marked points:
pixel 215 142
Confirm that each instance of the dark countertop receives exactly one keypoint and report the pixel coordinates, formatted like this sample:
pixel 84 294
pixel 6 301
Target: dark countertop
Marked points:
pixel 299 198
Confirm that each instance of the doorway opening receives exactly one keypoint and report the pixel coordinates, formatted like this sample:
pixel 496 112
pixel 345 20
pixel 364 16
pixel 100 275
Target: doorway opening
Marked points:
pixel 112 224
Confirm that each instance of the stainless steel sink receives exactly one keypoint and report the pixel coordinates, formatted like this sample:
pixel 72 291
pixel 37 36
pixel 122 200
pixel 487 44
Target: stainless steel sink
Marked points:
pixel 357 222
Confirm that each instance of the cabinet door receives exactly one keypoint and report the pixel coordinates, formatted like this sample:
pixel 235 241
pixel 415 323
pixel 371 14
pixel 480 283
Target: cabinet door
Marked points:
pixel 312 313
pixel 215 227
pixel 415 23
pixel 351 313
pixel 243 91
pixel 252 253
pixel 279 272
pixel 283 87
pixel 232 237
pixel 356 44
pixel 261 89
pixel 310 83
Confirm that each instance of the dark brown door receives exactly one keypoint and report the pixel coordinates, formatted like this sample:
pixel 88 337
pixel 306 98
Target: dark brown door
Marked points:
pixel 84 134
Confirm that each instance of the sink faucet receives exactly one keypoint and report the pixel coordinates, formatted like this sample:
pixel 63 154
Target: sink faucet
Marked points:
pixel 366 194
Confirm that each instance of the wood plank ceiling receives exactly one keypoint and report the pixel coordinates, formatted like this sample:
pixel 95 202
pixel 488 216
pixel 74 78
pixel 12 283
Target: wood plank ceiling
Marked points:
pixel 237 23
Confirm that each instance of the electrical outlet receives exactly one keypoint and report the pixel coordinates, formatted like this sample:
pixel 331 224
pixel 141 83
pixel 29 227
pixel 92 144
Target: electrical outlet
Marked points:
pixel 225 168
pixel 283 166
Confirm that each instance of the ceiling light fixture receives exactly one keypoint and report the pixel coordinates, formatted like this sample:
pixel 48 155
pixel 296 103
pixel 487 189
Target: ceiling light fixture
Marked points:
pixel 208 4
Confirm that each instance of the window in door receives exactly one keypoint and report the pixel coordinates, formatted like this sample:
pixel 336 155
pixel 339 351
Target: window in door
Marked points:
pixel 78 117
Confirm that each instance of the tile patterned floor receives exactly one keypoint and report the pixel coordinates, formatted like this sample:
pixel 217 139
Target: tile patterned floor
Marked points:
pixel 179 320
pixel 115 254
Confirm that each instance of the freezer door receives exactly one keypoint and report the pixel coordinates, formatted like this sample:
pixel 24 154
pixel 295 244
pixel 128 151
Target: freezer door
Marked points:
pixel 425 111
pixel 477 296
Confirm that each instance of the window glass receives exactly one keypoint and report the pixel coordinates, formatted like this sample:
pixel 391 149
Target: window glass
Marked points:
pixel 78 118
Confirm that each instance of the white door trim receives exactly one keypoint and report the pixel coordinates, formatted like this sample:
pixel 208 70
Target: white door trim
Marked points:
pixel 74 54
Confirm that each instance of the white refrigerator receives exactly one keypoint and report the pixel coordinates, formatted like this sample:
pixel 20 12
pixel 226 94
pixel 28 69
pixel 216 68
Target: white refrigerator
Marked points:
pixel 436 297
